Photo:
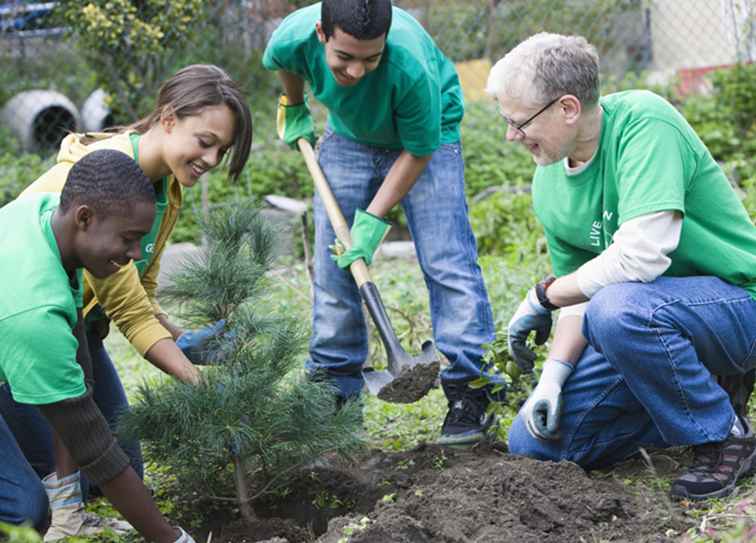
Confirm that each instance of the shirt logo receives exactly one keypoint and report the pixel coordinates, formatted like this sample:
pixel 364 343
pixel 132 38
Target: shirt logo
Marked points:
pixel 149 248
pixel 594 238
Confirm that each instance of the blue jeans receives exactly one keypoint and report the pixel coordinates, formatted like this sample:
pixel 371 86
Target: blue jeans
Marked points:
pixel 22 496
pixel 436 213
pixel 647 377
pixel 33 433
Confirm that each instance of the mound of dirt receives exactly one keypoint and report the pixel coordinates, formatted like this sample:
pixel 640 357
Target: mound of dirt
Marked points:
pixel 435 494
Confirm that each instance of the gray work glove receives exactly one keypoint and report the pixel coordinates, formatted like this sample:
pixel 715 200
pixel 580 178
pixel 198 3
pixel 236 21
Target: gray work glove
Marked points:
pixel 184 537
pixel 68 515
pixel 544 406
pixel 530 316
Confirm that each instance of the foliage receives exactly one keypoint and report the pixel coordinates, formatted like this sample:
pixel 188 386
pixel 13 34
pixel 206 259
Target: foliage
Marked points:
pixel 249 410
pixel 41 70
pixel 17 170
pixel 505 225
pixel 515 20
pixel 18 534
pixel 726 121
pixel 465 39
pixel 489 160
pixel 126 43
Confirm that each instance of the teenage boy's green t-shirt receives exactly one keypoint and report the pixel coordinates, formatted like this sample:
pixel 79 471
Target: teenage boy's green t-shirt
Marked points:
pixel 38 306
pixel 411 101
pixel 649 160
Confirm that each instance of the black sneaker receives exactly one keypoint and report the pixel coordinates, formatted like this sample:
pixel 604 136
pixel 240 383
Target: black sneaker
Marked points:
pixel 467 422
pixel 717 467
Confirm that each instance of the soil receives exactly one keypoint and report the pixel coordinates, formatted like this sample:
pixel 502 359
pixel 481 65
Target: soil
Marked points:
pixel 434 494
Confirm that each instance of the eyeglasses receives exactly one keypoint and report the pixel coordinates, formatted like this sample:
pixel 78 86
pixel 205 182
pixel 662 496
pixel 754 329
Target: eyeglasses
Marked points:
pixel 521 126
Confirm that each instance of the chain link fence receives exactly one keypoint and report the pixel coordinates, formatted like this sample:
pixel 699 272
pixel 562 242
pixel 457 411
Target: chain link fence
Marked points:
pixel 49 87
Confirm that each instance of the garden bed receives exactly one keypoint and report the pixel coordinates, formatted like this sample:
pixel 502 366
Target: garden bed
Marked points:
pixel 454 495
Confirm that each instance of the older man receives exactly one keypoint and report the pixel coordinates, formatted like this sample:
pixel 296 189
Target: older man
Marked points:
pixel 655 265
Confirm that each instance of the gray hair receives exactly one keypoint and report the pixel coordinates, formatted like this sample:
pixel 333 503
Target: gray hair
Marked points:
pixel 546 66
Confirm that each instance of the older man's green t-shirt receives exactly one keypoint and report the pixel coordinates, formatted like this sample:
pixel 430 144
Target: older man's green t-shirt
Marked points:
pixel 411 101
pixel 38 306
pixel 649 159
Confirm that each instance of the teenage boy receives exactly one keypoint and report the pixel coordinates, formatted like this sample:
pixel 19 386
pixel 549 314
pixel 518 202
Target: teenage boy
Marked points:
pixel 395 106
pixel 96 223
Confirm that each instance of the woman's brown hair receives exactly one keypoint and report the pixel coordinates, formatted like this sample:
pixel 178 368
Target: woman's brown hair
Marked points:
pixel 196 87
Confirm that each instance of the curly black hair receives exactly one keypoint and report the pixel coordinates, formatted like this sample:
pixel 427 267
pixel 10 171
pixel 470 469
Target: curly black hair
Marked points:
pixel 363 19
pixel 106 180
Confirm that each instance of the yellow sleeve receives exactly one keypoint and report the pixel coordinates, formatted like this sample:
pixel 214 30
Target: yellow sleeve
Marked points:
pixel 126 301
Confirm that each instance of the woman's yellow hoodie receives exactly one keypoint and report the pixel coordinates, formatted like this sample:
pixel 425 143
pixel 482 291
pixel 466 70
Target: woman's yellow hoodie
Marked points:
pixel 126 299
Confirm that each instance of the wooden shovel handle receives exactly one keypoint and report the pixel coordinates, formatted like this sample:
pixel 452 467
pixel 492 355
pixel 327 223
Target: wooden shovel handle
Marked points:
pixel 340 227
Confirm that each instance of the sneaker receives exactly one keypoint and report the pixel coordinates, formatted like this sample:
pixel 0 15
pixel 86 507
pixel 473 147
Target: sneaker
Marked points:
pixel 717 467
pixel 467 421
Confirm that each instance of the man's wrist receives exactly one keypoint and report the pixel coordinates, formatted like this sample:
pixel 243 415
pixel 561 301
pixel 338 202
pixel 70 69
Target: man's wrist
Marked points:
pixel 556 371
pixel 541 289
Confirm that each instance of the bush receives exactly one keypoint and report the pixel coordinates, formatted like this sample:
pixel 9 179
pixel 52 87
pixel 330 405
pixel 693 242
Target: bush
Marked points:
pixel 505 225
pixel 726 121
pixel 127 45
pixel 250 416
pixel 17 171
pixel 489 159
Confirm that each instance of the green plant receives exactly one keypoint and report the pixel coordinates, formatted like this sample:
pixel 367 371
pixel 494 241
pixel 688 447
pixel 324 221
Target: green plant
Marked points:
pixel 726 120
pixel 42 70
pixel 18 534
pixel 489 159
pixel 126 43
pixel 17 171
pixel 515 20
pixel 250 418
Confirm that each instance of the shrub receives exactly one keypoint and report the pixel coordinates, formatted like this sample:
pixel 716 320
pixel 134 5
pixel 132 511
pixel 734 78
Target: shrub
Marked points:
pixel 17 171
pixel 126 43
pixel 250 423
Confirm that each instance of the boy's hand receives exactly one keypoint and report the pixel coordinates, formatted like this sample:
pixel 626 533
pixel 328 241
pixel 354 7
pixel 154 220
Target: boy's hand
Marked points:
pixel 293 122
pixel 367 233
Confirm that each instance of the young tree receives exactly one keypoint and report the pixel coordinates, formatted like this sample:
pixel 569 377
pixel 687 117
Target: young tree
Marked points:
pixel 252 421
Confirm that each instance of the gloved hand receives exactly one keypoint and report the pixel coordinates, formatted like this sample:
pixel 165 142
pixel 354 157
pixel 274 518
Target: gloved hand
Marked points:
pixel 530 316
pixel 367 233
pixel 194 343
pixel 68 515
pixel 541 411
pixel 294 122
pixel 184 537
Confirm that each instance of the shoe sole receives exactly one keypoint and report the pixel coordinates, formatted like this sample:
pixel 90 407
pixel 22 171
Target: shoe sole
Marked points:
pixel 679 492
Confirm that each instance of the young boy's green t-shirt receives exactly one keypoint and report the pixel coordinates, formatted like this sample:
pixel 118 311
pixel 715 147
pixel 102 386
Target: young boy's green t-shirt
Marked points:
pixel 38 306
pixel 649 159
pixel 411 101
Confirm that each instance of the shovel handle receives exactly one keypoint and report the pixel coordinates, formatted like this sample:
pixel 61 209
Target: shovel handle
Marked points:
pixel 340 227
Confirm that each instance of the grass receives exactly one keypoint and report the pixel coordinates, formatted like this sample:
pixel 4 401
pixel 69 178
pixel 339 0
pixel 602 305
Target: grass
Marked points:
pixel 395 427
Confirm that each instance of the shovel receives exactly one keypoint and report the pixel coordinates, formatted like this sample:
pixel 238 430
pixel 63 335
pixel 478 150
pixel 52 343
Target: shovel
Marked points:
pixel 408 378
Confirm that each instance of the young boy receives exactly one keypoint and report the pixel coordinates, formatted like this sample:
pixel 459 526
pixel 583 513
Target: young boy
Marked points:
pixel 395 105
pixel 96 223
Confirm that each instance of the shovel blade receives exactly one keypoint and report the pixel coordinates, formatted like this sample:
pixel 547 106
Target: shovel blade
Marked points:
pixel 413 377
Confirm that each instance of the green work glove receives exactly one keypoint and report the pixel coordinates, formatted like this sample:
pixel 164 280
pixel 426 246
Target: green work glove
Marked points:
pixel 294 122
pixel 367 233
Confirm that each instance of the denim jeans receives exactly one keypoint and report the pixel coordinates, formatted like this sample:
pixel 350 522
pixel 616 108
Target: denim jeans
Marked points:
pixel 647 377
pixel 22 496
pixel 33 433
pixel 436 213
